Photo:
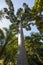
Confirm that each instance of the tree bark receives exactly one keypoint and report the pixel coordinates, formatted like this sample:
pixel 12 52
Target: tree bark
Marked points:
pixel 21 58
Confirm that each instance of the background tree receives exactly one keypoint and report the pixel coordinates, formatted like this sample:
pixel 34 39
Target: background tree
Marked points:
pixel 10 49
pixel 38 17
pixel 38 7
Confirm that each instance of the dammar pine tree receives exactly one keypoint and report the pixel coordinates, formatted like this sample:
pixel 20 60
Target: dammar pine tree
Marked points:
pixel 20 21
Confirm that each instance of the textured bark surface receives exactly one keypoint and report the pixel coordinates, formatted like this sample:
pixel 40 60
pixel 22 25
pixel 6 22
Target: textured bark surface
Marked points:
pixel 21 59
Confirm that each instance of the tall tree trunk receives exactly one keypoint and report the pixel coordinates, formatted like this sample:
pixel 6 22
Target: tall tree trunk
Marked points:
pixel 21 59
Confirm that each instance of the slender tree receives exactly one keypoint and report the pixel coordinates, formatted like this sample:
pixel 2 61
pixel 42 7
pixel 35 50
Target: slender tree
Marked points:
pixel 20 21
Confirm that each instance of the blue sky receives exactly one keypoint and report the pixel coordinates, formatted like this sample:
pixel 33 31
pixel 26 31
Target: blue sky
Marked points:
pixel 17 4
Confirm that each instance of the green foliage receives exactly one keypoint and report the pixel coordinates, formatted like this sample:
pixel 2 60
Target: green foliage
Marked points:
pixel 34 50
pixel 9 49
pixel 10 52
pixel 38 6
